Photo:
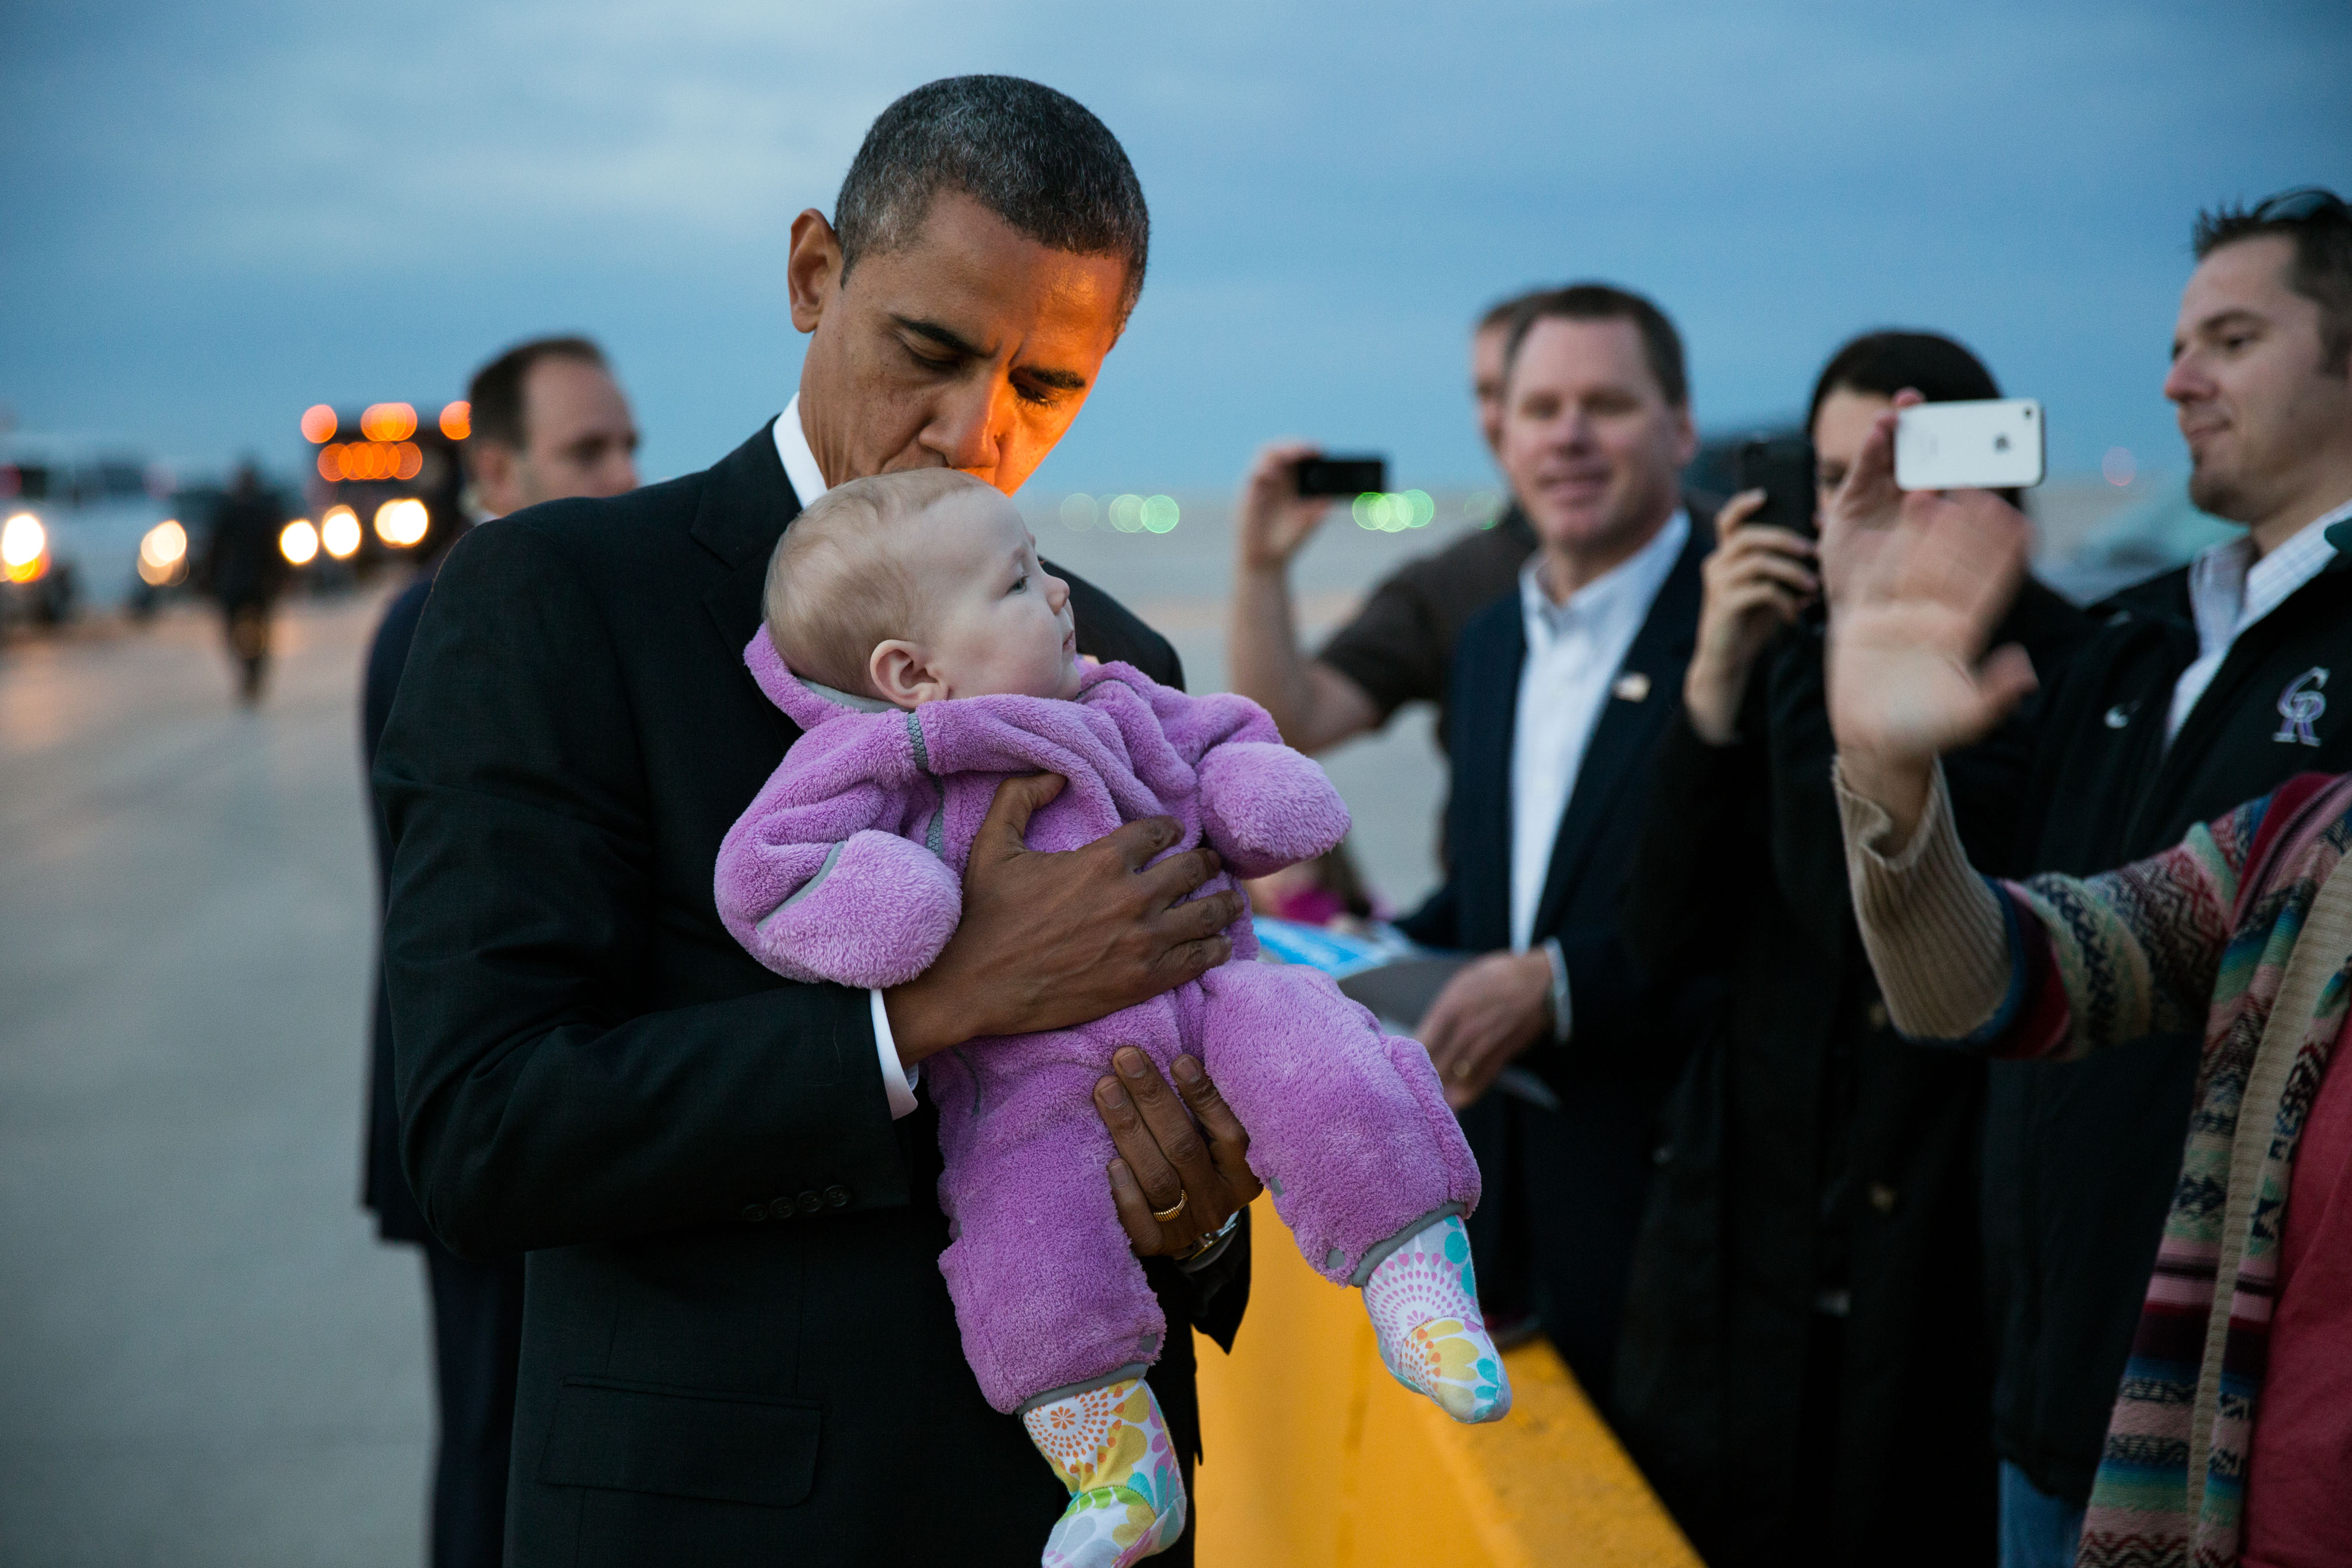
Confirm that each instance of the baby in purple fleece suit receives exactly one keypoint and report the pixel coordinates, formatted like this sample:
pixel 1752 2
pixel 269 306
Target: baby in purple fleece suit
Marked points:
pixel 948 662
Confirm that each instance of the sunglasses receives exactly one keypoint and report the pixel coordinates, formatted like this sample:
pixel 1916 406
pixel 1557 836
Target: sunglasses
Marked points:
pixel 2301 207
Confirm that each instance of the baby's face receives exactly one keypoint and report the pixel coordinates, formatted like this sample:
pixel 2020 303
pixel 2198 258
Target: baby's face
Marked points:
pixel 997 623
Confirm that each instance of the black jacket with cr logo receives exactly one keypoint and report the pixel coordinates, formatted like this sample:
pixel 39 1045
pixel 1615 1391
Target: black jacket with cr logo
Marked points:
pixel 2081 1158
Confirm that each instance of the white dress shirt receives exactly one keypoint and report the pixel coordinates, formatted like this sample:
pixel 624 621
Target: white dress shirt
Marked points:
pixel 2230 590
pixel 808 483
pixel 1574 651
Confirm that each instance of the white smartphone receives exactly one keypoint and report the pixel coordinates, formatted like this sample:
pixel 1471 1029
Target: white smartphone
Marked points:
pixel 1994 445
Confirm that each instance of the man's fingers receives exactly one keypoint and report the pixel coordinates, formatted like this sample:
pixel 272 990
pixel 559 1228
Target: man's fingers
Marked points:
pixel 1136 843
pixel 1197 918
pixel 1228 1139
pixel 1178 876
pixel 1736 511
pixel 1191 960
pixel 1135 1146
pixel 1143 1232
pixel 1006 826
pixel 1173 1127
pixel 1464 1091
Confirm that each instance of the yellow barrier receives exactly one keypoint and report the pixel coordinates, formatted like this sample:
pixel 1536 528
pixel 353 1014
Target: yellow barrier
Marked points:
pixel 1317 1459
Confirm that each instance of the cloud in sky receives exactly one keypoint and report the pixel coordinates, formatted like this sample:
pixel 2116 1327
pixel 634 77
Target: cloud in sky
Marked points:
pixel 219 216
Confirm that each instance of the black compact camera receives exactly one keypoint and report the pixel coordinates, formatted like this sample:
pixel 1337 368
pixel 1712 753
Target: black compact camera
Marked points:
pixel 1342 475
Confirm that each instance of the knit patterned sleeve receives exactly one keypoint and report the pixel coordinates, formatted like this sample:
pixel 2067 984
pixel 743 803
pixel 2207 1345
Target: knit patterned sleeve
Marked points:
pixel 2131 951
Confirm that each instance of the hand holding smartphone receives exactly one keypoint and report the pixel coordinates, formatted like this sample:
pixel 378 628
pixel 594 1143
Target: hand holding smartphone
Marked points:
pixel 1341 475
pixel 1992 444
pixel 1783 469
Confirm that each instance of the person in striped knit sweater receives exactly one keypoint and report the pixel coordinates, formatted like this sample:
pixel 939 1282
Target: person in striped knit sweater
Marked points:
pixel 2231 1440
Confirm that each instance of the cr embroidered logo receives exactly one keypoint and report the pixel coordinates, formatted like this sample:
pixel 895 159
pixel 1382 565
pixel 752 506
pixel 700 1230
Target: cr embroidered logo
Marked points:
pixel 2300 706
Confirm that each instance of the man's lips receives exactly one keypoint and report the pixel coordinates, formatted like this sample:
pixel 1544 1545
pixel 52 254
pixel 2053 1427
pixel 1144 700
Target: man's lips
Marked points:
pixel 1573 484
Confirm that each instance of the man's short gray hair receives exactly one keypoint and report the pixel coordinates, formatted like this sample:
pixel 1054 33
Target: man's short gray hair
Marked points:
pixel 1036 158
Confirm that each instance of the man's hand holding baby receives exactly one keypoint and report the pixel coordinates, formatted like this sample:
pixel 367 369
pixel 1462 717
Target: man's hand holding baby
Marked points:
pixel 1050 940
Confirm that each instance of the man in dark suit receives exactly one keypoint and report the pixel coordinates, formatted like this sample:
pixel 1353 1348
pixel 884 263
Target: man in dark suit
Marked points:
pixel 1559 694
pixel 549 422
pixel 737 1345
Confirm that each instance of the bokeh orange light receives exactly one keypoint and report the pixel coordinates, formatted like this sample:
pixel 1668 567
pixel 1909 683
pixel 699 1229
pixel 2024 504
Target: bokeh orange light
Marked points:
pixel 318 423
pixel 409 461
pixel 388 422
pixel 331 461
pixel 457 420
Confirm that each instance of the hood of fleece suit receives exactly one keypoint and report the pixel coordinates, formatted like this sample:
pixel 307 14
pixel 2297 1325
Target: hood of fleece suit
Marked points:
pixel 806 703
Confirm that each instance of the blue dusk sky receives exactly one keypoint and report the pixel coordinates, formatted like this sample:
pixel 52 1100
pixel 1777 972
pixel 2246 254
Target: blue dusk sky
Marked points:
pixel 220 213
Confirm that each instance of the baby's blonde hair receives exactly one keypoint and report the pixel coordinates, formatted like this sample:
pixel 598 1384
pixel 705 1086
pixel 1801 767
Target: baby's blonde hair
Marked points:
pixel 836 589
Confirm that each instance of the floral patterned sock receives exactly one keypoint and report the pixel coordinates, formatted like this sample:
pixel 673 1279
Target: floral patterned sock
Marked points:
pixel 1111 1447
pixel 1424 1302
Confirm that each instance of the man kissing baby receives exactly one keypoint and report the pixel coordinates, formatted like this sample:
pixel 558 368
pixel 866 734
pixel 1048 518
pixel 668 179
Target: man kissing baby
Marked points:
pixel 914 637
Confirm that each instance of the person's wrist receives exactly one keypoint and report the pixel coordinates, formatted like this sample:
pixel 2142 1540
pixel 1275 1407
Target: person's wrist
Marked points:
pixel 919 1026
pixel 1896 782
pixel 1708 703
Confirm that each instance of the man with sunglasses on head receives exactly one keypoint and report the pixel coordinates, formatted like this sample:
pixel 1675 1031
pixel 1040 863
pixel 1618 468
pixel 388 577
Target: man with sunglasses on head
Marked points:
pixel 2210 686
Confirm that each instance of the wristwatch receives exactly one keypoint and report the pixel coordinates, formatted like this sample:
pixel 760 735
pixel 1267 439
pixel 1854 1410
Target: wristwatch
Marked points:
pixel 1201 1253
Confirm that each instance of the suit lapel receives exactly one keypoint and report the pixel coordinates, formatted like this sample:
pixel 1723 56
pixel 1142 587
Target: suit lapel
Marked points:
pixel 1484 715
pixel 747 503
pixel 1640 696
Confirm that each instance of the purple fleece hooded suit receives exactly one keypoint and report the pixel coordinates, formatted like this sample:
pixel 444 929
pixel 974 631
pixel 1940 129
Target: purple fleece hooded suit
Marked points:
pixel 847 869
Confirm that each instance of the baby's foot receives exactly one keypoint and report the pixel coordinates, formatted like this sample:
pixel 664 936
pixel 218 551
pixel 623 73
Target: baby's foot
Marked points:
pixel 1423 1303
pixel 1111 1447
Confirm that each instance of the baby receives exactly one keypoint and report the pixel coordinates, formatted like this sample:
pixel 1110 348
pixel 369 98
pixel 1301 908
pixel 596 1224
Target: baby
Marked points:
pixel 913 635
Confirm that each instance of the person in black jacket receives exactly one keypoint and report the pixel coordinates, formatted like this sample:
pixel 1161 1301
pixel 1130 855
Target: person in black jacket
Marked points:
pixel 1805 1376
pixel 1558 694
pixel 548 421
pixel 737 1344
pixel 2207 686
pixel 247 570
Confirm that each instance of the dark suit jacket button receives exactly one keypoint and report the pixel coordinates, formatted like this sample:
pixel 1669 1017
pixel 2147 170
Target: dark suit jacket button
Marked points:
pixel 754 1213
pixel 810 1203
pixel 1881 1198
pixel 1876 1014
pixel 836 1198
pixel 782 1208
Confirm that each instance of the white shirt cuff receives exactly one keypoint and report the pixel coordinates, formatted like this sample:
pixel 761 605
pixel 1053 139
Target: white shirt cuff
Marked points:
pixel 1563 1014
pixel 898 1081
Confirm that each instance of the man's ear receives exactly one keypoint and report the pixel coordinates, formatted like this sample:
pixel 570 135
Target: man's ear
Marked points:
pixel 813 269
pixel 1685 437
pixel 492 469
pixel 902 674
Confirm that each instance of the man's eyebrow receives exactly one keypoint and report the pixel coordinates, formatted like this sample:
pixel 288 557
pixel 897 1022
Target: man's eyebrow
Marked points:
pixel 955 343
pixel 2234 315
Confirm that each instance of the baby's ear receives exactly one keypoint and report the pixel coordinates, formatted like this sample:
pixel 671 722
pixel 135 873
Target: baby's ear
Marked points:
pixel 902 674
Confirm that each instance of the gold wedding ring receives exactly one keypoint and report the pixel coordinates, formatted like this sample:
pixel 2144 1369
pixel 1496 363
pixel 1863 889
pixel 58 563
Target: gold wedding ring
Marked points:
pixel 1171 1212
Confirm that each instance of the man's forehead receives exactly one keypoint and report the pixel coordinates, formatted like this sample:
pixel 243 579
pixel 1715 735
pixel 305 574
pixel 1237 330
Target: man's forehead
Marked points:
pixel 2248 274
pixel 1566 351
pixel 966 271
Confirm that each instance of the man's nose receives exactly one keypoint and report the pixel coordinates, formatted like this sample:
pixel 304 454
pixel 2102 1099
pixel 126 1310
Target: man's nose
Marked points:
pixel 964 430
pixel 2186 382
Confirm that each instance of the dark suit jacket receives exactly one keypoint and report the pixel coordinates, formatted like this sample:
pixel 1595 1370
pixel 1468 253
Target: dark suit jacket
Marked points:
pixel 383 1186
pixel 738 1347
pixel 1629 1032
